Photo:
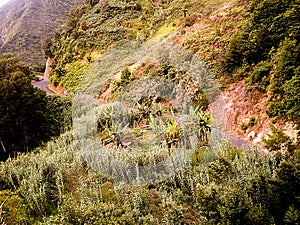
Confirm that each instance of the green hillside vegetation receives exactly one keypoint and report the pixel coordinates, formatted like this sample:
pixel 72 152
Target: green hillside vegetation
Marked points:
pixel 56 183
pixel 105 25
pixel 56 186
pixel 266 54
pixel 26 25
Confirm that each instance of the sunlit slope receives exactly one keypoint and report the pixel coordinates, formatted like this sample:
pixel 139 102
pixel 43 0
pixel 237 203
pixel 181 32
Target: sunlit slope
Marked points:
pixel 25 24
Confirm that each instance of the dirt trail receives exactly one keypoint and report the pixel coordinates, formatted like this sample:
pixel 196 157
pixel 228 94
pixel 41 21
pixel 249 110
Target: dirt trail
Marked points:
pixel 234 115
pixel 48 67
pixel 43 84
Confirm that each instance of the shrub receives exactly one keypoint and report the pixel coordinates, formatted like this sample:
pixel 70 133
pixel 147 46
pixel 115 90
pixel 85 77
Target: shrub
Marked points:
pixel 125 78
pixel 244 126
pixel 252 121
pixel 12 208
pixel 261 70
pixel 278 140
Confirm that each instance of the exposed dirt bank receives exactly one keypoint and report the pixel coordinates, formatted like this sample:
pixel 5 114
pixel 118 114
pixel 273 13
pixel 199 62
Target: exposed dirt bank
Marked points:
pixel 242 104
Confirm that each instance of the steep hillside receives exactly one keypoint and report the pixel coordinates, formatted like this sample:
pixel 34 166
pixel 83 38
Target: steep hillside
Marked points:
pixel 253 48
pixel 239 40
pixel 138 152
pixel 102 25
pixel 261 67
pixel 201 27
pixel 25 25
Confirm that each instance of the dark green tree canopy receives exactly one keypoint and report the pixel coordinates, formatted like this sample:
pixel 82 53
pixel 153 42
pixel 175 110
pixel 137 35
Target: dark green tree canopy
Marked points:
pixel 26 117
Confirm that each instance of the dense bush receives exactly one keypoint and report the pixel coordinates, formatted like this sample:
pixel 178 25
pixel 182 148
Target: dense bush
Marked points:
pixel 270 22
pixel 267 51
pixel 57 186
pixel 12 208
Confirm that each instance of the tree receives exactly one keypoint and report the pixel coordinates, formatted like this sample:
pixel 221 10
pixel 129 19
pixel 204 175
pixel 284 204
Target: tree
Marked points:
pixel 27 117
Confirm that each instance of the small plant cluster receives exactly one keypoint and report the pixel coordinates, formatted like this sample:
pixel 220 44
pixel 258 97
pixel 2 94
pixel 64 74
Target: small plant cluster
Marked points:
pixel 251 123
pixel 187 83
pixel 149 116
pixel 277 141
pixel 173 133
pixel 119 83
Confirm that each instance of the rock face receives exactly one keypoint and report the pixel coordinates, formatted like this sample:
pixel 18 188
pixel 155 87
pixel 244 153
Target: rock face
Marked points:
pixel 246 115
pixel 25 24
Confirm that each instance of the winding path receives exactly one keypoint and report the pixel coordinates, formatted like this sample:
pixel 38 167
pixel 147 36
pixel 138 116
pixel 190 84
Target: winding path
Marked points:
pixel 43 85
pixel 237 142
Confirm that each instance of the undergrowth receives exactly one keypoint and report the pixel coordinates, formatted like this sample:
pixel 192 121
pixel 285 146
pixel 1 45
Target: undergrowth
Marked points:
pixel 56 185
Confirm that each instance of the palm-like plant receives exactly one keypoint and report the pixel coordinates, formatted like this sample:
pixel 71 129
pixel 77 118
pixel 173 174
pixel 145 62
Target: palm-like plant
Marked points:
pixel 203 126
pixel 115 137
pixel 173 133
pixel 201 123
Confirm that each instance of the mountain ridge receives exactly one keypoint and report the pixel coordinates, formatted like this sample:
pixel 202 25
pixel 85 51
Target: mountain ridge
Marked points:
pixel 26 24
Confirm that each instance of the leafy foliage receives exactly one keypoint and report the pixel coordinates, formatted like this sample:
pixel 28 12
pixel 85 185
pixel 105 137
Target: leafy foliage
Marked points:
pixel 267 51
pixel 279 141
pixel 28 116
pixel 12 208
pixel 237 187
pixel 125 78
